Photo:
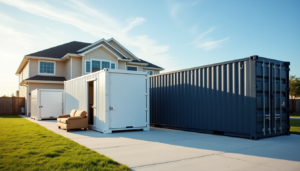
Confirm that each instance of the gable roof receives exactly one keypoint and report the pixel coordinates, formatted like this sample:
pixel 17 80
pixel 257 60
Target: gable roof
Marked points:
pixel 61 50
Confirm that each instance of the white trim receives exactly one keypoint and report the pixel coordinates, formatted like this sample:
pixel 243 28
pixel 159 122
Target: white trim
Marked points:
pixel 54 69
pixel 91 45
pixel 82 64
pixel 137 63
pixel 126 60
pixel 71 68
pixel 85 66
pixel 96 47
pixel 137 68
pixel 29 68
pixel 99 41
pixel 123 47
pixel 113 63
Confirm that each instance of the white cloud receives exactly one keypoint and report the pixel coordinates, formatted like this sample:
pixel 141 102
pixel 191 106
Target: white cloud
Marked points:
pixel 207 43
pixel 98 24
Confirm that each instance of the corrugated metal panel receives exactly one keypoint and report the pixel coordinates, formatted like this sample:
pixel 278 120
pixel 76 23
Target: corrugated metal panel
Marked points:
pixel 214 98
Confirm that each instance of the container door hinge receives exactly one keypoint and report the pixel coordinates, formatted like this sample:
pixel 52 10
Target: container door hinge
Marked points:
pixel 277 116
pixel 287 89
pixel 267 116
pixel 287 69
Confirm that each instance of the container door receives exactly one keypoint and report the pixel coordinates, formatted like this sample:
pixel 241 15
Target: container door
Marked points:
pixel 128 101
pixel 272 95
pixel 51 104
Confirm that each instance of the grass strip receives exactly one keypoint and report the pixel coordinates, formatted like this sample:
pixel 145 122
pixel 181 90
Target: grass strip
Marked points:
pixel 28 146
pixel 295 126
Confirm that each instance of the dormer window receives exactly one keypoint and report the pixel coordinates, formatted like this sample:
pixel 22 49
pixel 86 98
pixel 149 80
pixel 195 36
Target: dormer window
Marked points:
pixel 46 68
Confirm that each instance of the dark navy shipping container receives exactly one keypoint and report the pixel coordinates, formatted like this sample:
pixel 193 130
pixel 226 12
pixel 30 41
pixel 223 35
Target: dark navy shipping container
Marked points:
pixel 247 98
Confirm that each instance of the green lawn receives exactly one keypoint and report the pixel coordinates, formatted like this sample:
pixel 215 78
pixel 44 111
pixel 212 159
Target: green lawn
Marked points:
pixel 25 145
pixel 295 115
pixel 295 126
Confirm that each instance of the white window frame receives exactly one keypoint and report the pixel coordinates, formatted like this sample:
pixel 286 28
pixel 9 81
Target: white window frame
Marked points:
pixel 152 72
pixel 85 66
pixel 105 61
pixel 92 62
pixel 137 69
pixel 113 63
pixel 54 69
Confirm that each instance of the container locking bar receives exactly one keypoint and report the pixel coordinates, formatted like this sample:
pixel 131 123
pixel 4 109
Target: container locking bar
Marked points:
pixel 280 72
pixel 264 108
pixel 269 129
pixel 274 84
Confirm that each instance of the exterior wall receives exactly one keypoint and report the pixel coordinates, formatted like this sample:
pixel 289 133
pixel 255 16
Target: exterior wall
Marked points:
pixel 68 70
pixel 121 50
pixel 100 54
pixel 122 65
pixel 34 68
pixel 76 67
pixel 33 86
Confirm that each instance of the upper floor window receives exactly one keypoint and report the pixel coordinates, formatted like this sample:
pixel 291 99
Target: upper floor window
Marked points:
pixel 105 64
pixel 132 68
pixel 150 72
pixel 95 65
pixel 87 66
pixel 113 65
pixel 47 68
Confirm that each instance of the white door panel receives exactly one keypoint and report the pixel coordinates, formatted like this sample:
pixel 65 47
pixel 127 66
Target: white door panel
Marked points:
pixel 128 101
pixel 51 104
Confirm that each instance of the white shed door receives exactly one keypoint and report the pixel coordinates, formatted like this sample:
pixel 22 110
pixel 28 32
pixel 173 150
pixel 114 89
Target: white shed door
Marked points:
pixel 128 101
pixel 51 104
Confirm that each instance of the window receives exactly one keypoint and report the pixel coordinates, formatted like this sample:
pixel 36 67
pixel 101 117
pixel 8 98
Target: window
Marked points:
pixel 95 66
pixel 113 65
pixel 46 68
pixel 150 72
pixel 87 66
pixel 105 64
pixel 131 68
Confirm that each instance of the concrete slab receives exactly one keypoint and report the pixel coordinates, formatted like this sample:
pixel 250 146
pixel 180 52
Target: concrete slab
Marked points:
pixel 166 149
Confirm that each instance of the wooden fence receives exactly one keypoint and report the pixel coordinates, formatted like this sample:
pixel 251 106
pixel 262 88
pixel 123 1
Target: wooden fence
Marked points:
pixel 11 105
pixel 295 105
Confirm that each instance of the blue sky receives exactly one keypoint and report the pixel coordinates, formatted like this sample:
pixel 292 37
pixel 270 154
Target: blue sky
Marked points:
pixel 172 34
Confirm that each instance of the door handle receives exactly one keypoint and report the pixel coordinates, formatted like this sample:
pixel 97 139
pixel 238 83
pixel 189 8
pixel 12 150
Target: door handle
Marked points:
pixel 41 106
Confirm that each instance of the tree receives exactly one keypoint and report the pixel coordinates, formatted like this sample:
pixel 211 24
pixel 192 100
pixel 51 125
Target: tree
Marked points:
pixel 12 95
pixel 294 86
pixel 4 96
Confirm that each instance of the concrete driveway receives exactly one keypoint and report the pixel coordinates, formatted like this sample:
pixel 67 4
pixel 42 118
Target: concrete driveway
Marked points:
pixel 166 149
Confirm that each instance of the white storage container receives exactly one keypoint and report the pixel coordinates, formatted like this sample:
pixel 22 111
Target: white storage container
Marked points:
pixel 46 103
pixel 114 99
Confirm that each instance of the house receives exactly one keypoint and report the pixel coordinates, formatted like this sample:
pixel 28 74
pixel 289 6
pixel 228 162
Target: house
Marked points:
pixel 49 68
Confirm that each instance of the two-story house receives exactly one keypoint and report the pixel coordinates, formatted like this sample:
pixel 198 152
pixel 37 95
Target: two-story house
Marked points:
pixel 49 68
